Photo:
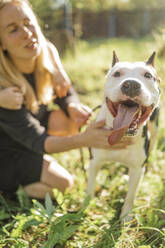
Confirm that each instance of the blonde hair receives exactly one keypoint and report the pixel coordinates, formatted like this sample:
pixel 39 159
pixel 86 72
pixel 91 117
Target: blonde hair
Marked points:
pixel 45 68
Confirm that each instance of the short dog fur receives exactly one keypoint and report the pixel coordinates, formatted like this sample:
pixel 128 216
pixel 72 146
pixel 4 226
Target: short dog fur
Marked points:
pixel 130 107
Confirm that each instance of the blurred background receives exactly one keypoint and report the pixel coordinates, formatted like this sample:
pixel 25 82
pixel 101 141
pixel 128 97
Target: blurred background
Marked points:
pixel 66 21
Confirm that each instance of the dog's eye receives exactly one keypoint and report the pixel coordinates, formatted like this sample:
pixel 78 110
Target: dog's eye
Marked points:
pixel 116 74
pixel 148 75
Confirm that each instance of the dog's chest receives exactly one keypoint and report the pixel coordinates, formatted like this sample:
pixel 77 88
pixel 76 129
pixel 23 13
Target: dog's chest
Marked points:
pixel 132 156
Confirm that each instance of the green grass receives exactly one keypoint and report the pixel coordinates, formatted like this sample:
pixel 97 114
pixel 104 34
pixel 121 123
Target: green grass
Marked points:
pixel 70 222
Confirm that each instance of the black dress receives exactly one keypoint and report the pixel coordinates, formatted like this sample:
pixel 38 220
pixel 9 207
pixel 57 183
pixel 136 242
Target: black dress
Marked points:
pixel 22 137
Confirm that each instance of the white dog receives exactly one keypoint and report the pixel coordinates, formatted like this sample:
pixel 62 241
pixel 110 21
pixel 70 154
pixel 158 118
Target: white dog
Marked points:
pixel 130 107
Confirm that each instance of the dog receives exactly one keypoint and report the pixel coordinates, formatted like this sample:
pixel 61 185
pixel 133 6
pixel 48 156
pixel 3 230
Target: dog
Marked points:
pixel 130 108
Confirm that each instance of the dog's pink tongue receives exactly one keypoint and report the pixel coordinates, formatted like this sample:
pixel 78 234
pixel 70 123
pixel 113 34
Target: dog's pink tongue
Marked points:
pixel 122 122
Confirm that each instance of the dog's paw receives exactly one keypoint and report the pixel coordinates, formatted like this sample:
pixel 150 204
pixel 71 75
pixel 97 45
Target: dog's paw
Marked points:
pixel 126 214
pixel 126 219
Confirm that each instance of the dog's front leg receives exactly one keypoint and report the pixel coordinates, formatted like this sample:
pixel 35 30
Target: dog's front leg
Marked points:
pixel 135 177
pixel 92 173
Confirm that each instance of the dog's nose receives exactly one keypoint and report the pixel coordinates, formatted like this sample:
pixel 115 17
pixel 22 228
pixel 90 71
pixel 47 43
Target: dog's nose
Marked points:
pixel 131 88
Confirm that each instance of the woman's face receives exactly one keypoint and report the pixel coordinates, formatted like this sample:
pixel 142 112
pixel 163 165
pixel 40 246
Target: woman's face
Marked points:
pixel 17 32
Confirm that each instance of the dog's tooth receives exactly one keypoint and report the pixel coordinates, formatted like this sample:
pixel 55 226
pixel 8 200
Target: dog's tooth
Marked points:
pixel 134 126
pixel 139 113
pixel 137 120
pixel 138 117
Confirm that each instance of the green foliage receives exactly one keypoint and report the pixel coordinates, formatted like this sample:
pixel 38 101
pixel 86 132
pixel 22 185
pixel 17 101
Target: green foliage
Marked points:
pixel 147 4
pixel 98 5
pixel 50 19
pixel 49 206
pixel 41 6
pixel 23 198
pixel 44 7
pixel 64 226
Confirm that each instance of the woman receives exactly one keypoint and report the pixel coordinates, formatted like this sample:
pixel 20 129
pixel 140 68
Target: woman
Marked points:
pixel 30 71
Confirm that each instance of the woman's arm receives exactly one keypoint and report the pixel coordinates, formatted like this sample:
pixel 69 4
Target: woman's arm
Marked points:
pixel 11 98
pixel 60 79
pixel 95 136
pixel 67 98
pixel 22 127
pixel 73 108
pixel 63 102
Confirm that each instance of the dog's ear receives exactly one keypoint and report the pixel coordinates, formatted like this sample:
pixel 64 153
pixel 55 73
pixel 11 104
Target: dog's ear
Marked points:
pixel 115 59
pixel 151 59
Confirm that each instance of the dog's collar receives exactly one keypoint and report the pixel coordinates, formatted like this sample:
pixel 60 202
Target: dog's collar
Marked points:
pixel 95 108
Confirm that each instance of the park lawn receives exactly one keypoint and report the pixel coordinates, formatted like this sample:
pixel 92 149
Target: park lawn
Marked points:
pixel 69 221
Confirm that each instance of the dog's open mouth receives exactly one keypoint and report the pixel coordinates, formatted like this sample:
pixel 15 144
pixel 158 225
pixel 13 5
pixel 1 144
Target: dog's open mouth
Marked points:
pixel 128 116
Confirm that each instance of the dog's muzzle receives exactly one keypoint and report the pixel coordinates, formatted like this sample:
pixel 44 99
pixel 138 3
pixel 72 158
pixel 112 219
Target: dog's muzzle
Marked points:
pixel 128 116
pixel 131 88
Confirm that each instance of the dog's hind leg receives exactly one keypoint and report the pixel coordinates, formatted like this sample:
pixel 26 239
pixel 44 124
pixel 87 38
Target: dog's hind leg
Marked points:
pixel 94 167
pixel 135 177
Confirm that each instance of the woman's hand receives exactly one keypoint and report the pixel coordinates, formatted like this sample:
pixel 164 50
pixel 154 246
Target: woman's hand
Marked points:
pixel 11 98
pixel 123 143
pixel 97 136
pixel 79 113
pixel 61 84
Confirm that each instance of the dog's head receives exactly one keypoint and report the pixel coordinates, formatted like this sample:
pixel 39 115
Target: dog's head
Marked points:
pixel 131 93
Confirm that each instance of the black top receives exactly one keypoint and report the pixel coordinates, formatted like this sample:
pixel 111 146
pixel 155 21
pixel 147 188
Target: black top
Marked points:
pixel 22 130
pixel 22 137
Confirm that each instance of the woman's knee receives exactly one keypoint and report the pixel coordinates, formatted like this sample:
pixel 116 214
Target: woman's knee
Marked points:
pixel 68 182
pixel 55 176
